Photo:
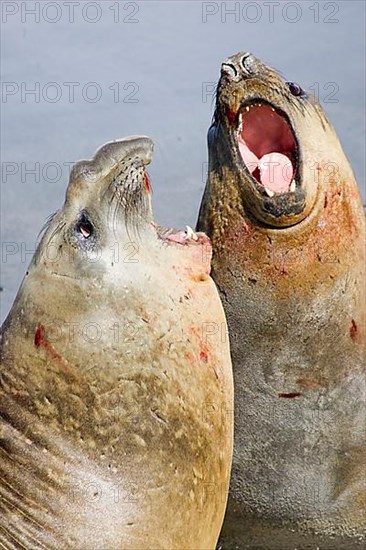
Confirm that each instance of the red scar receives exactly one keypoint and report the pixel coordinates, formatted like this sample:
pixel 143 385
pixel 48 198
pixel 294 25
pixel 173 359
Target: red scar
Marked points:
pixel 147 182
pixel 231 115
pixel 290 395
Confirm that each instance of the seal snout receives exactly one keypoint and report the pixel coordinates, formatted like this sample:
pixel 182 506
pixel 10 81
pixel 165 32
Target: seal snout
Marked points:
pixel 114 152
pixel 110 189
pixel 111 155
pixel 240 65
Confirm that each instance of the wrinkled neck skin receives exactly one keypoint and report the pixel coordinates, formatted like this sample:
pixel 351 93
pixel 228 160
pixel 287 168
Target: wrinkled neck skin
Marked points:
pixel 102 402
pixel 293 289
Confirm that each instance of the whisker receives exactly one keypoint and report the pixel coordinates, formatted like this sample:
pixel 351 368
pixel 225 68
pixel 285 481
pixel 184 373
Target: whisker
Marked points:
pixel 46 225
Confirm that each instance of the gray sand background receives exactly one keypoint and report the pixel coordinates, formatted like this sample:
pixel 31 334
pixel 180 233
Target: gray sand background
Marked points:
pixel 149 68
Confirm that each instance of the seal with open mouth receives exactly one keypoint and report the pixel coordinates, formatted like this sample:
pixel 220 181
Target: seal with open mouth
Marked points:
pixel 286 221
pixel 115 381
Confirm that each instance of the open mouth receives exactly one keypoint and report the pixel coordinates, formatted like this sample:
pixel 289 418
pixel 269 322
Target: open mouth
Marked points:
pixel 185 237
pixel 268 147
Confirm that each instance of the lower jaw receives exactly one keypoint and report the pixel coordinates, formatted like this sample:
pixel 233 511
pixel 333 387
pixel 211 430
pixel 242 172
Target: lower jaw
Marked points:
pixel 278 211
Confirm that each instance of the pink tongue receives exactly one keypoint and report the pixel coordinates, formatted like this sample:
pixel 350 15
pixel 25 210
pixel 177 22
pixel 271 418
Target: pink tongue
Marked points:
pixel 276 172
pixel 275 169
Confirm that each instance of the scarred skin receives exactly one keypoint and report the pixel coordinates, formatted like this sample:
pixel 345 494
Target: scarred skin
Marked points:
pixel 291 274
pixel 116 389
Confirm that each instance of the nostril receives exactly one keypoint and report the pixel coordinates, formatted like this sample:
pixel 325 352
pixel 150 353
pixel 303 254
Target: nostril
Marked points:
pixel 247 62
pixel 229 69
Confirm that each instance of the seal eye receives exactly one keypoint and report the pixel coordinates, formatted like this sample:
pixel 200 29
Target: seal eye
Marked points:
pixel 84 227
pixel 85 230
pixel 295 89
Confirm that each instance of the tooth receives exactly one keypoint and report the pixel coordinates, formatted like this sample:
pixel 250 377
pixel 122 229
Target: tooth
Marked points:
pixel 190 233
pixel 269 192
pixel 259 104
pixel 293 186
pixel 240 126
pixel 247 108
pixel 272 109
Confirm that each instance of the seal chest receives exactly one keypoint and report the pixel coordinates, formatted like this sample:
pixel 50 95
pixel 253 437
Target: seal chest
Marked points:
pixel 115 383
pixel 287 226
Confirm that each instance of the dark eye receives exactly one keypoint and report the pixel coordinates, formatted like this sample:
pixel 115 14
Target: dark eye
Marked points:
pixel 295 89
pixel 84 226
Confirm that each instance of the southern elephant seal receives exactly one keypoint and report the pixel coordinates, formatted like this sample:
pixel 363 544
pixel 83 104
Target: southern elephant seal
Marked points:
pixel 285 218
pixel 115 381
